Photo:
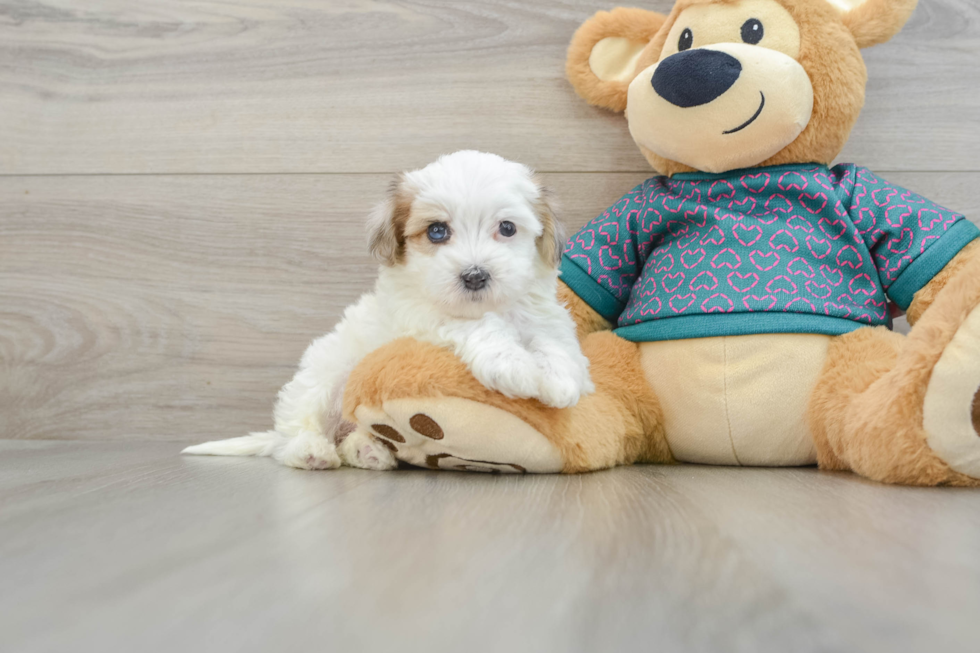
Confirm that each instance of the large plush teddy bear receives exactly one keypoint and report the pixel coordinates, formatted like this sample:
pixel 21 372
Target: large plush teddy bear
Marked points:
pixel 735 310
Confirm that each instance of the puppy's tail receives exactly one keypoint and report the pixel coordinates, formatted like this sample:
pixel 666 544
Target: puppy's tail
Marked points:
pixel 253 444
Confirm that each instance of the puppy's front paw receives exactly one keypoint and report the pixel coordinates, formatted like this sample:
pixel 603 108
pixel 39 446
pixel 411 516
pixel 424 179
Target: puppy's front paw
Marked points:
pixel 563 381
pixel 513 374
pixel 558 391
pixel 362 450
pixel 308 450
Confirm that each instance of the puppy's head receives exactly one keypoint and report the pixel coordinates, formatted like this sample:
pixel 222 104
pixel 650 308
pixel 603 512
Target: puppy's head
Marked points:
pixel 471 232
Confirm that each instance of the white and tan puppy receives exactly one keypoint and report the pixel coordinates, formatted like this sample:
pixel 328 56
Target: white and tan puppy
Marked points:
pixel 469 249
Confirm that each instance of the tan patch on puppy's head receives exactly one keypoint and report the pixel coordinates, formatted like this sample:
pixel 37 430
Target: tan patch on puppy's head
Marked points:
pixel 387 223
pixel 420 218
pixel 551 242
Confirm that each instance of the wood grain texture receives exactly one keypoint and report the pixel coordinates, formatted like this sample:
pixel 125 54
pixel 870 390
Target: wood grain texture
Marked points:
pixel 129 547
pixel 123 86
pixel 174 307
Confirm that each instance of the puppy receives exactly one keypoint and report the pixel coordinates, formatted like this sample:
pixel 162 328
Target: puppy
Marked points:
pixel 469 249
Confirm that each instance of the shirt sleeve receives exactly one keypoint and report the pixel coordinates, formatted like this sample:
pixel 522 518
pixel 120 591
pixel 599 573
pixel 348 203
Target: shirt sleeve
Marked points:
pixel 910 238
pixel 602 260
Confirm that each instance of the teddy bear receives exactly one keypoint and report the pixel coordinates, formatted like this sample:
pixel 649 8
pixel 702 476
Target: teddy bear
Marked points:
pixel 736 307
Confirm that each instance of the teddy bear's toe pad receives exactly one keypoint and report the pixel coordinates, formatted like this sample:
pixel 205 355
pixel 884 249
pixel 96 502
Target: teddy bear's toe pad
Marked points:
pixel 453 433
pixel 949 401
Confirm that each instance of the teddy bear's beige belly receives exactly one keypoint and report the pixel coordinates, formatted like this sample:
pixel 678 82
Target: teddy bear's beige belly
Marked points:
pixel 737 400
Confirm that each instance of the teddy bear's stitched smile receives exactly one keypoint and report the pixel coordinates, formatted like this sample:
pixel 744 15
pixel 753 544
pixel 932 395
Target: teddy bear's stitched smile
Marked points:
pixel 752 119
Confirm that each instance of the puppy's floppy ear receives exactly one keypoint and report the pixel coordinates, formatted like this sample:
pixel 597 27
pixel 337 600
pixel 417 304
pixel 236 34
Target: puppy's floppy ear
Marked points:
pixel 386 224
pixel 603 54
pixel 551 242
pixel 875 21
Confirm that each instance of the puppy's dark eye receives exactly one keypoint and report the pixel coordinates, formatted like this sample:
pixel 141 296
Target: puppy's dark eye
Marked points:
pixel 686 40
pixel 507 229
pixel 438 232
pixel 752 31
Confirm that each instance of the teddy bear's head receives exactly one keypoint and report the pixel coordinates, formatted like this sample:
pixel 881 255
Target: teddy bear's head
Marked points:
pixel 719 85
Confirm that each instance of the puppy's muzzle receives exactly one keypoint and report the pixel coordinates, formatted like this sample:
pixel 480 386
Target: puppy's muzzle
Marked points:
pixel 695 77
pixel 475 278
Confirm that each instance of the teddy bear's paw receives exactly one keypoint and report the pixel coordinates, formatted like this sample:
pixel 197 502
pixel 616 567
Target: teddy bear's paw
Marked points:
pixel 362 450
pixel 309 450
pixel 459 434
pixel 950 409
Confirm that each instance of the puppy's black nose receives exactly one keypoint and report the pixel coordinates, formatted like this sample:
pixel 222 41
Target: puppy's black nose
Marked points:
pixel 695 77
pixel 475 278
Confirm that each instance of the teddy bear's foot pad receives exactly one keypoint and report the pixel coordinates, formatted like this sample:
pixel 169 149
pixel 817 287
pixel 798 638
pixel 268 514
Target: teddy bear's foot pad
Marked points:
pixel 949 402
pixel 458 434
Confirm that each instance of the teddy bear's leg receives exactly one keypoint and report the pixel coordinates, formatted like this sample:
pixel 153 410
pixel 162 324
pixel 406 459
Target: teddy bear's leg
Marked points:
pixel 904 410
pixel 424 405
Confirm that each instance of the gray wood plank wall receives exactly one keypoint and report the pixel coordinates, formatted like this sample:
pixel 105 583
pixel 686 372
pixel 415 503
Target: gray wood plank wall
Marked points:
pixel 182 185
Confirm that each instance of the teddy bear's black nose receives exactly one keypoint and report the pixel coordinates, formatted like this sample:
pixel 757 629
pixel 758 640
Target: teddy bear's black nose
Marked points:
pixel 695 77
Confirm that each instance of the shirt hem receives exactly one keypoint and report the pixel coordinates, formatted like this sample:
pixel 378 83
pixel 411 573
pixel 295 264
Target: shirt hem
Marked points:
pixel 737 324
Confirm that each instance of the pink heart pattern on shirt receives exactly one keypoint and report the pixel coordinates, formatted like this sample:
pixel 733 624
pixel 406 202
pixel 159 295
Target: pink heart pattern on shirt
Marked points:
pixel 797 239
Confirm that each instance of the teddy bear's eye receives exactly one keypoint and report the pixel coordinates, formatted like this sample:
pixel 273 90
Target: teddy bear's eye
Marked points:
pixel 752 31
pixel 687 39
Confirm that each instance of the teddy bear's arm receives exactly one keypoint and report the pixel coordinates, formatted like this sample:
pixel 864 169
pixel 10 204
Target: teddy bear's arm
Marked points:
pixel 916 245
pixel 585 317
pixel 925 297
pixel 603 260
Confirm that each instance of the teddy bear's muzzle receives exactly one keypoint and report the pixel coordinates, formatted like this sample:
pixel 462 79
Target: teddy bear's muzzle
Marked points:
pixel 720 107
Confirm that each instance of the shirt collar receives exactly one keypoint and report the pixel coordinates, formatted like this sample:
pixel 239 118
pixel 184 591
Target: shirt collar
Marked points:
pixel 703 176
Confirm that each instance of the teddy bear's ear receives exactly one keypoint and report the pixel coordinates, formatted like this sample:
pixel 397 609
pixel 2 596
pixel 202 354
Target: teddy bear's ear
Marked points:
pixel 875 21
pixel 603 54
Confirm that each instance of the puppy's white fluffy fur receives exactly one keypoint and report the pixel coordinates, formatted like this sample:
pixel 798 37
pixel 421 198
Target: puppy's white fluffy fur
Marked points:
pixel 513 334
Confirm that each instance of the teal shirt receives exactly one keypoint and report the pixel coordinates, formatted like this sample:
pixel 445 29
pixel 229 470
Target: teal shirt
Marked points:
pixel 784 249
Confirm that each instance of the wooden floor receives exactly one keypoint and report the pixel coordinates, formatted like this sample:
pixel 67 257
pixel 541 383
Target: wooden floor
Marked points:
pixel 129 547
